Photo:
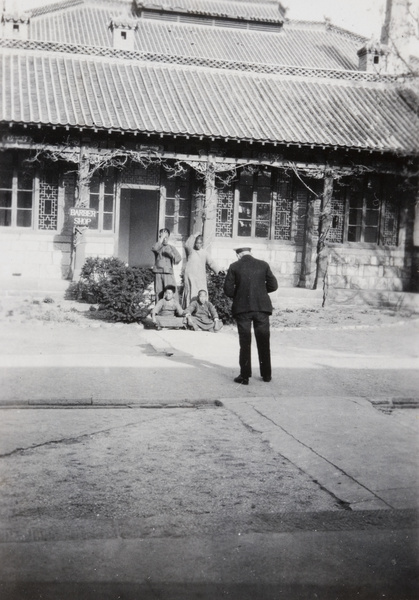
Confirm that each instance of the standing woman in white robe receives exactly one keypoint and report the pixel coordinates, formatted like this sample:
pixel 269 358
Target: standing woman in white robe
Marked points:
pixel 195 276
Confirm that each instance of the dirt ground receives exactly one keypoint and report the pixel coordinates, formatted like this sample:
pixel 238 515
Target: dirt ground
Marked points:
pixel 51 311
pixel 170 471
pixel 268 469
pixel 116 469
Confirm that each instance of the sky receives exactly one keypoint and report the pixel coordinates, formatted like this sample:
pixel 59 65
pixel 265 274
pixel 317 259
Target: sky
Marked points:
pixel 360 16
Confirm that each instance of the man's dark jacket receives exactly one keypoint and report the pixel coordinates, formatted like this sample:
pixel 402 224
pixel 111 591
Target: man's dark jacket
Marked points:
pixel 248 282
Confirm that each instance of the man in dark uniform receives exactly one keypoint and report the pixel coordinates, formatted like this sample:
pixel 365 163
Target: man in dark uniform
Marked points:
pixel 248 282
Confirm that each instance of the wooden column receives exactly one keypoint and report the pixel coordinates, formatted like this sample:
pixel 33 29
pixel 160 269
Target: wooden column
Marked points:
pixel 210 207
pixel 82 201
pixel 324 226
pixel 198 205
pixel 415 248
pixel 310 237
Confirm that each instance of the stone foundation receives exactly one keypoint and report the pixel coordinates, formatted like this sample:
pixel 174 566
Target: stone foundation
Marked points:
pixel 387 269
pixel 283 258
pixel 35 255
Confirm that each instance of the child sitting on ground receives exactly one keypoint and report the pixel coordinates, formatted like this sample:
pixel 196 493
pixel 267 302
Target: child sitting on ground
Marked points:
pixel 164 312
pixel 201 314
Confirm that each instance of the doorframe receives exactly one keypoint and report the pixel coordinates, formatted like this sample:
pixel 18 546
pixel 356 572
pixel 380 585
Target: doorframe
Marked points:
pixel 135 186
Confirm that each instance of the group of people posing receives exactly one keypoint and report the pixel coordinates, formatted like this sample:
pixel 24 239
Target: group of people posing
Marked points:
pixel 196 311
pixel 248 282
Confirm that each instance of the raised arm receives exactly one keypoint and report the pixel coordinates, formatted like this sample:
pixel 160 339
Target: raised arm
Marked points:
pixel 190 242
pixel 212 265
pixel 157 247
pixel 172 253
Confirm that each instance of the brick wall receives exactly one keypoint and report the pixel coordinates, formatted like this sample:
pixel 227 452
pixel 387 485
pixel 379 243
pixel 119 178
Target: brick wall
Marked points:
pixel 363 268
pixel 40 254
pixel 284 258
pixel 34 255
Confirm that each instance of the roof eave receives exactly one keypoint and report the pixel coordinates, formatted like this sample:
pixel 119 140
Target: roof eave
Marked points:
pixel 414 152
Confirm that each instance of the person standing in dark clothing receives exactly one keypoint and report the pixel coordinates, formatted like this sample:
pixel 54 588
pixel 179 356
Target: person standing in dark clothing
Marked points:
pixel 248 282
pixel 165 256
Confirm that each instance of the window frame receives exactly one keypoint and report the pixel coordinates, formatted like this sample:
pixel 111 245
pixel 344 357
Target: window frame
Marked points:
pixel 281 189
pixel 14 209
pixel 174 231
pixel 363 190
pixel 253 221
pixel 101 203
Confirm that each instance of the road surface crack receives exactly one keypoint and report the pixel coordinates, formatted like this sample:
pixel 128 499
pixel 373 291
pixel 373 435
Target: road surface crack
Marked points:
pixel 66 440
pixel 345 504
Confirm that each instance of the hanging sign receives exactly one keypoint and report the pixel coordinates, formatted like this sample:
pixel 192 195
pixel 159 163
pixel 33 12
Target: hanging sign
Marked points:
pixel 87 217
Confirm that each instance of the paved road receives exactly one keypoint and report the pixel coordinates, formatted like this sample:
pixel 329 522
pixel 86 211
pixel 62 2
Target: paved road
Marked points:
pixel 297 489
pixel 127 365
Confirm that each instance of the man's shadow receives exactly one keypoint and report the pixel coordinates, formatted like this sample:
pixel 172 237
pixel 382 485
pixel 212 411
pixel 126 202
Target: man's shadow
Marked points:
pixel 181 357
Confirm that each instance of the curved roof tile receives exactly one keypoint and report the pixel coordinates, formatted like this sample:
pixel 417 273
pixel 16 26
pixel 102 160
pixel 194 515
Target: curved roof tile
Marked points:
pixel 262 11
pixel 158 98
pixel 307 46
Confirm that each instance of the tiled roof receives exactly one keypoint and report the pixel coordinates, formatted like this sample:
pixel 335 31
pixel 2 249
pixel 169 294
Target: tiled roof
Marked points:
pixel 49 8
pixel 263 10
pixel 77 23
pixel 85 92
pixel 307 46
pixel 304 47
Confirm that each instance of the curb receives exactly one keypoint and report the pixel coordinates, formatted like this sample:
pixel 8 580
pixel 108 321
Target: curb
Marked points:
pixel 86 403
pixel 227 328
pixel 388 405
pixel 345 327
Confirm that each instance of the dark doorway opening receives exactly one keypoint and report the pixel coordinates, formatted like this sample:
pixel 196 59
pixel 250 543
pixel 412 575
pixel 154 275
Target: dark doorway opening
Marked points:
pixel 138 226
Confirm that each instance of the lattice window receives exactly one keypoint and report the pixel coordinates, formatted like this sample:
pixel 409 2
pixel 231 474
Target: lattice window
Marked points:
pixel 391 218
pixel 225 207
pixel 48 203
pixel 337 220
pixel 265 205
pixel 364 209
pixel 138 175
pixel 283 210
pixel 254 203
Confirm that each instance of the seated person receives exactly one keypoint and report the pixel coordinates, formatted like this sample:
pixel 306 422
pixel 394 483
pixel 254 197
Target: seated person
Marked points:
pixel 201 314
pixel 164 312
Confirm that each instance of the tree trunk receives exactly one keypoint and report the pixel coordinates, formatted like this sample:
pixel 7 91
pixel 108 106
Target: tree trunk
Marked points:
pixel 82 201
pixel 324 226
pixel 210 208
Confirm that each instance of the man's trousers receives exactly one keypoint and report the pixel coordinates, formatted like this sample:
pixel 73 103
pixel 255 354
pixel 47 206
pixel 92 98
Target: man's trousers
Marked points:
pixel 260 322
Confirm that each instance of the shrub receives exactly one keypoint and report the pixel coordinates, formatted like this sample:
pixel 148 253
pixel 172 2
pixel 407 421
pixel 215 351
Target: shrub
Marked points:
pixel 121 291
pixel 216 295
pixel 94 273
pixel 124 294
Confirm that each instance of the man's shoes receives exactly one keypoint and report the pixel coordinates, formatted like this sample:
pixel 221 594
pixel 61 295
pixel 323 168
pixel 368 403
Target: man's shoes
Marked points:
pixel 267 379
pixel 242 380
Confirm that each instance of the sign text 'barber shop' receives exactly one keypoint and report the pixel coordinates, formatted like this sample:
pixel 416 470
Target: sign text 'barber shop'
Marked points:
pixel 86 217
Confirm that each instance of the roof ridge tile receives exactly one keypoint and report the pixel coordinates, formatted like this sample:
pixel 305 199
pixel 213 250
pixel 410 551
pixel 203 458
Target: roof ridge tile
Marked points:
pixel 268 69
pixel 56 6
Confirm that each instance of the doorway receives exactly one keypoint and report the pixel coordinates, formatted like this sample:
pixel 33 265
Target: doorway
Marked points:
pixel 138 226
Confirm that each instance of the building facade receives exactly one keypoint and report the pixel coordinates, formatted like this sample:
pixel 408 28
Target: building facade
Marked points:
pixel 118 118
